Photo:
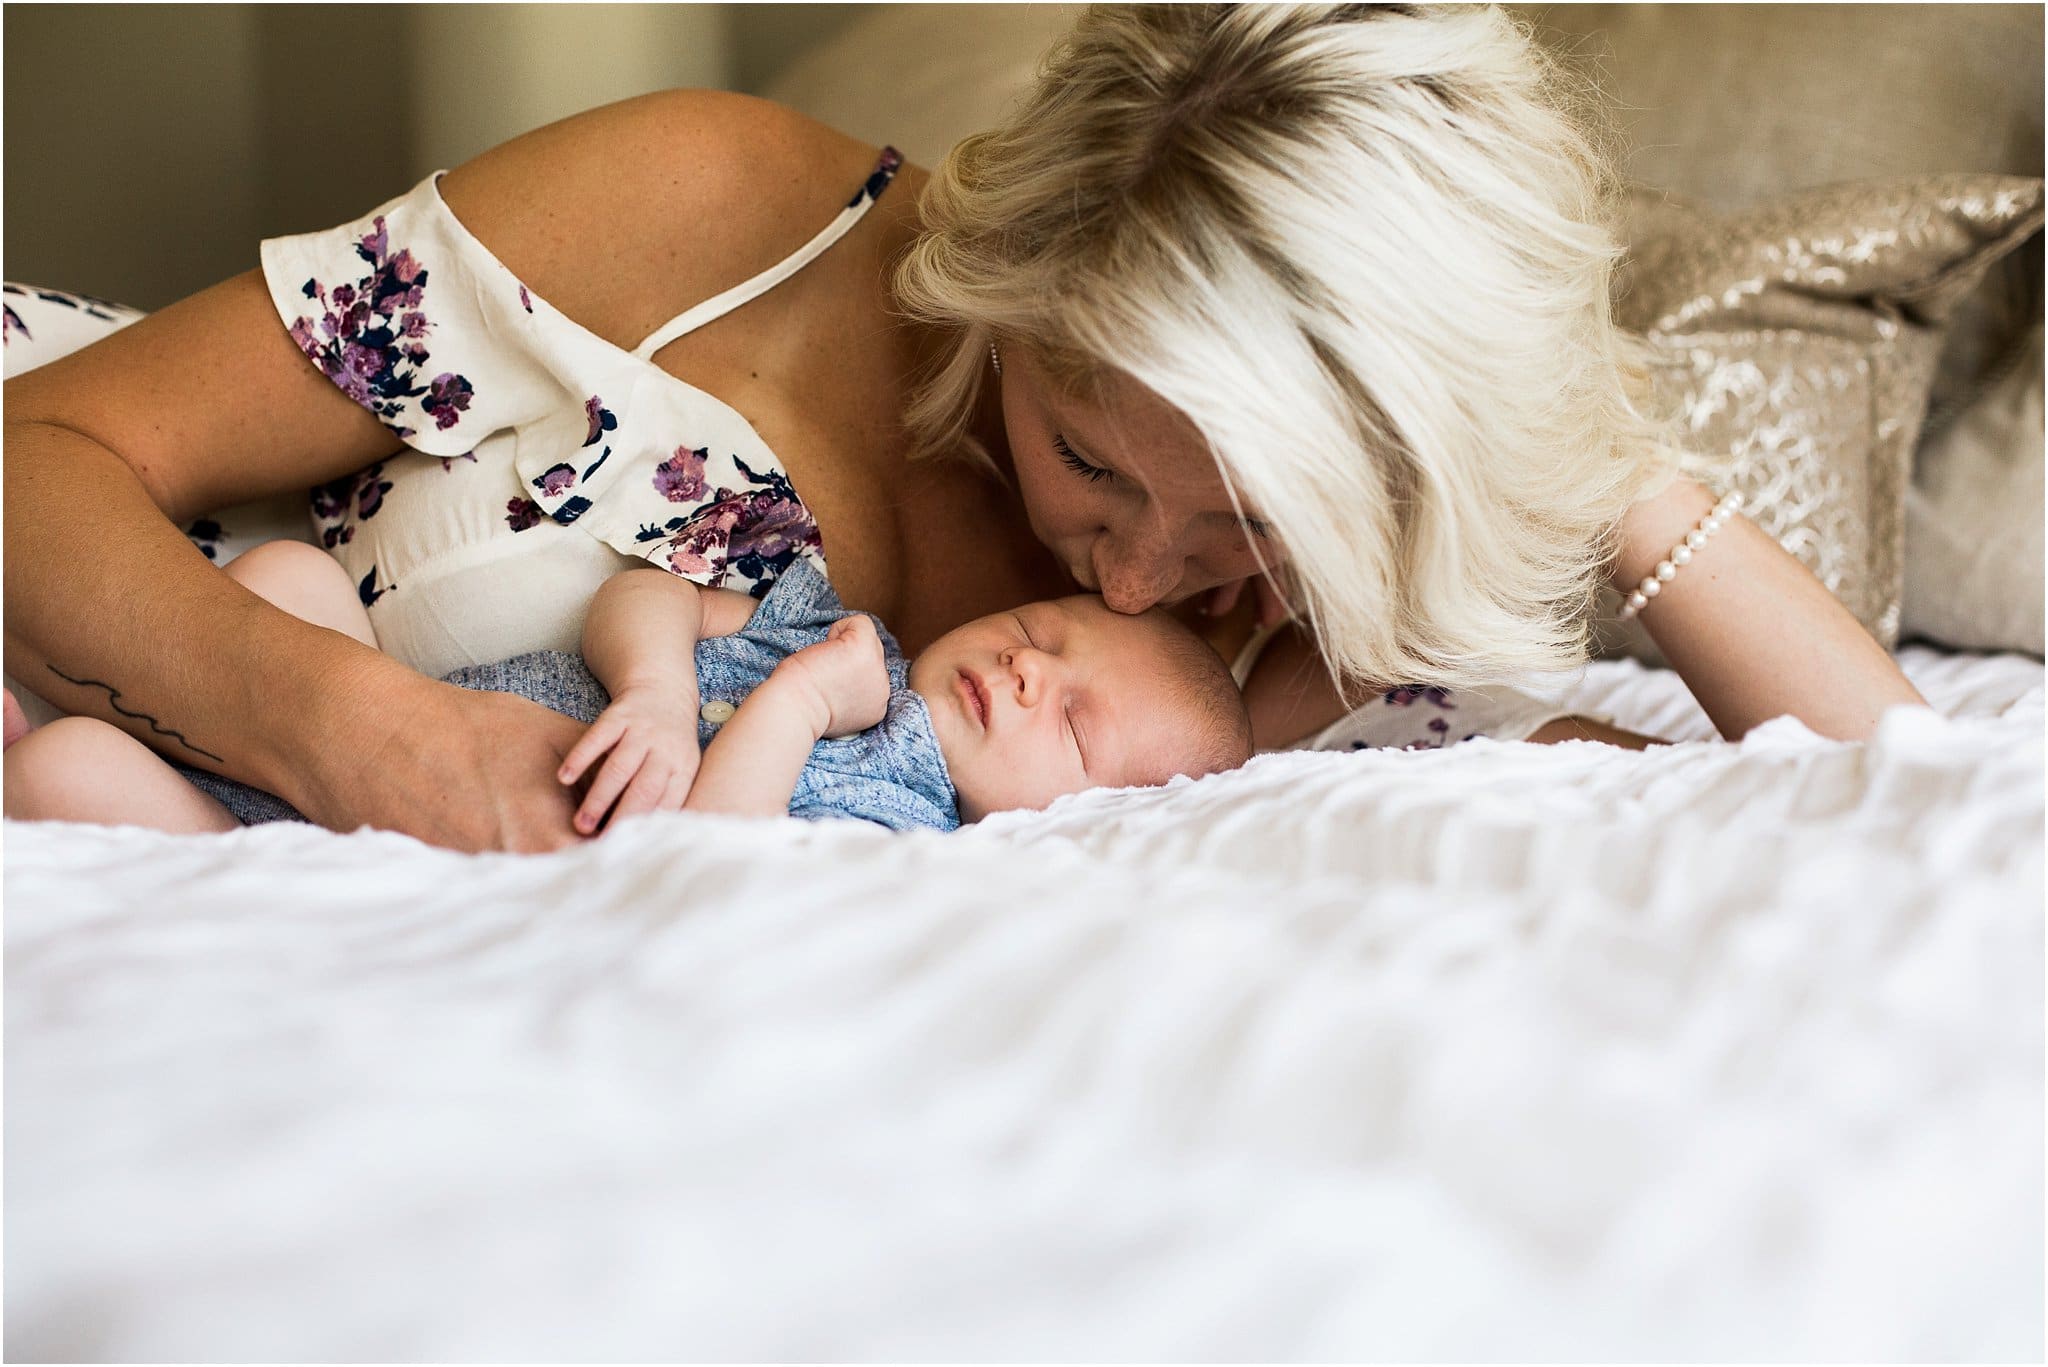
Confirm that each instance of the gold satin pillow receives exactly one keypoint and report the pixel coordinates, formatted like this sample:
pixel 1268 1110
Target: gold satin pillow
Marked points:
pixel 1797 342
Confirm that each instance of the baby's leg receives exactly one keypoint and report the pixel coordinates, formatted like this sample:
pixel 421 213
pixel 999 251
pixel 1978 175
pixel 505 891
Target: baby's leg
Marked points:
pixel 83 769
pixel 305 581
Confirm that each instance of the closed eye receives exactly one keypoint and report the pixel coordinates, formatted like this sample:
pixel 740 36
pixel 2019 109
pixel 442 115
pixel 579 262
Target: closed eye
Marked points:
pixel 1073 462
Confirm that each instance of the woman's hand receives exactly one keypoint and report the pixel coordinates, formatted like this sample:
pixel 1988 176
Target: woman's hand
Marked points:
pixel 649 741
pixel 844 675
pixel 455 767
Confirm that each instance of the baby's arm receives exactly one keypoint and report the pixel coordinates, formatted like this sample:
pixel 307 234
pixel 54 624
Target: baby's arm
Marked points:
pixel 836 687
pixel 640 641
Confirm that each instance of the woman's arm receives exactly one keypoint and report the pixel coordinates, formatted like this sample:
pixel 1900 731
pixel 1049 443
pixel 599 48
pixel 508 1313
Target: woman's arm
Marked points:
pixel 110 612
pixel 1750 630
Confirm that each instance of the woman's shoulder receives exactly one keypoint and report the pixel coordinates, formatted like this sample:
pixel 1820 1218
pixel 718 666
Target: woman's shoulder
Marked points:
pixel 625 215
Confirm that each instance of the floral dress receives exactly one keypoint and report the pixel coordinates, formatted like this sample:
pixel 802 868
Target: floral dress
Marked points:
pixel 541 459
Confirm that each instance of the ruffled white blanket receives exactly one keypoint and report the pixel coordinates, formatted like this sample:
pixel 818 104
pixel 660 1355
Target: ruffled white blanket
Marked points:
pixel 1715 1051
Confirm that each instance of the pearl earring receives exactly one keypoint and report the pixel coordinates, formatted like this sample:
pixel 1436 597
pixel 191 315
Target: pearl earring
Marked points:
pixel 995 359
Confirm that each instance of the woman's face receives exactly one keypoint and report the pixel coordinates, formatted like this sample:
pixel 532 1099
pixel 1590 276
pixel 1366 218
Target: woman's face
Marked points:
pixel 1124 491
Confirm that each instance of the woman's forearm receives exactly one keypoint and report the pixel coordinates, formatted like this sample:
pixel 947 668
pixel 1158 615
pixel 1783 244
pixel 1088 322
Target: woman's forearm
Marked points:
pixel 113 613
pixel 1750 630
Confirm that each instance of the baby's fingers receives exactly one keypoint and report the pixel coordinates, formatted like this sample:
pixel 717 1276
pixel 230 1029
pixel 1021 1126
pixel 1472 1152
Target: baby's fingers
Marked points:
pixel 593 743
pixel 611 780
pixel 647 790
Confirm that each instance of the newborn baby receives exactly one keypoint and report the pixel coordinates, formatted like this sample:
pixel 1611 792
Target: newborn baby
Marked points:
pixel 806 707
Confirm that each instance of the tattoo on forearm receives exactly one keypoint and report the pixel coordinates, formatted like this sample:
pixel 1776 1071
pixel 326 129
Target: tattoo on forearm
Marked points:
pixel 114 701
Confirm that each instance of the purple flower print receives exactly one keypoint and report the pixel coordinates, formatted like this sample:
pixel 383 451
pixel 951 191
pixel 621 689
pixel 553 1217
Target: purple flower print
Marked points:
pixel 601 419
pixel 525 299
pixel 447 400
pixel 878 179
pixel 556 479
pixel 521 513
pixel 369 338
pixel 340 503
pixel 680 478
pixel 1403 696
pixel 11 325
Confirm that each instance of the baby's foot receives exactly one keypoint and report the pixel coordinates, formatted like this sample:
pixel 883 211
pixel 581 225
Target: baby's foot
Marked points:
pixel 16 722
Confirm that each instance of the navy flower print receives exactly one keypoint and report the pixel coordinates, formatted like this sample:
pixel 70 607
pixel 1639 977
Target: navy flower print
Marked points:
pixel 207 535
pixel 368 591
pixel 339 504
pixel 370 341
pixel 11 325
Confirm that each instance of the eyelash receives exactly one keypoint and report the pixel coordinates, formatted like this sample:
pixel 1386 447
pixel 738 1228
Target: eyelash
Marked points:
pixel 1091 473
pixel 1065 716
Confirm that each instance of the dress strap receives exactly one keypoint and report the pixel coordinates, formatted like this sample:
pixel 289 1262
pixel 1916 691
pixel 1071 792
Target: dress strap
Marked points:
pixel 721 304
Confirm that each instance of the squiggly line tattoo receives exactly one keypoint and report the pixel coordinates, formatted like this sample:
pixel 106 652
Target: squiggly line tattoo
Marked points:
pixel 114 701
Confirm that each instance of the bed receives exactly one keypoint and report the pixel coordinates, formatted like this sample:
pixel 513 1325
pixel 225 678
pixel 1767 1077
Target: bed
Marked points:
pixel 1714 1051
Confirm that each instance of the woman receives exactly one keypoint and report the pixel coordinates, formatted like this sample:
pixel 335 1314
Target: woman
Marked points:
pixel 1311 298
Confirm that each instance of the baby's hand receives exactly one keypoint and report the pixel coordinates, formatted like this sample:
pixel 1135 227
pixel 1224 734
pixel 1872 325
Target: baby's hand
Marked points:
pixel 652 761
pixel 846 676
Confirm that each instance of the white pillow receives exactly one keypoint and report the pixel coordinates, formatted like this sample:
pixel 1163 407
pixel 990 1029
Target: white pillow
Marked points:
pixel 1973 520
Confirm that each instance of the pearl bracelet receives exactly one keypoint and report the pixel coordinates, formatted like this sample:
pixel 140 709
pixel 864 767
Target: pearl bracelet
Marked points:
pixel 1681 554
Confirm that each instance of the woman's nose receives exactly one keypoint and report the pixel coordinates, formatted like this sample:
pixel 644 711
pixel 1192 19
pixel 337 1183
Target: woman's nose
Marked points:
pixel 1134 577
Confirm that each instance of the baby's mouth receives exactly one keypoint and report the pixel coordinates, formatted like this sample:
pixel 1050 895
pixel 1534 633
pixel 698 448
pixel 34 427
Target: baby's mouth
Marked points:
pixel 977 701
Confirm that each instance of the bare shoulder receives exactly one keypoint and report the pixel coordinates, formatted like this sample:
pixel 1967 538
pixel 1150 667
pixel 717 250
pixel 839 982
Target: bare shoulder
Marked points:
pixel 624 215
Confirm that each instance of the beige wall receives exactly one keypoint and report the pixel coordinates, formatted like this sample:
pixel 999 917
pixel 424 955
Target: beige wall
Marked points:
pixel 148 148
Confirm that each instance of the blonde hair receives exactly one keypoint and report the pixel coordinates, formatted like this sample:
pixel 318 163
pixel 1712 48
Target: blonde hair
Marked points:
pixel 1366 250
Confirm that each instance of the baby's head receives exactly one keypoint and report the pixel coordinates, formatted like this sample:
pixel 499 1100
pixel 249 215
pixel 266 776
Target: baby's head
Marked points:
pixel 1065 695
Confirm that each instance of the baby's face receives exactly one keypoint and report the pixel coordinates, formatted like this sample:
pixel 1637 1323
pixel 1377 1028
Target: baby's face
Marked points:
pixel 1054 698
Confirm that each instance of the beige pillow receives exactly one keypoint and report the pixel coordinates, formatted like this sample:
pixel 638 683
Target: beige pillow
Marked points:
pixel 1973 520
pixel 1734 105
pixel 1797 341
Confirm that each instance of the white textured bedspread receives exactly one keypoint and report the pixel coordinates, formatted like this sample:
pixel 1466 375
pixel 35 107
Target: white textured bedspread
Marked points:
pixel 1721 1051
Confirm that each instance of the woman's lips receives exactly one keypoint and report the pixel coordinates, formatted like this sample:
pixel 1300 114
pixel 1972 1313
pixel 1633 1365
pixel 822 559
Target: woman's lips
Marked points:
pixel 977 701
